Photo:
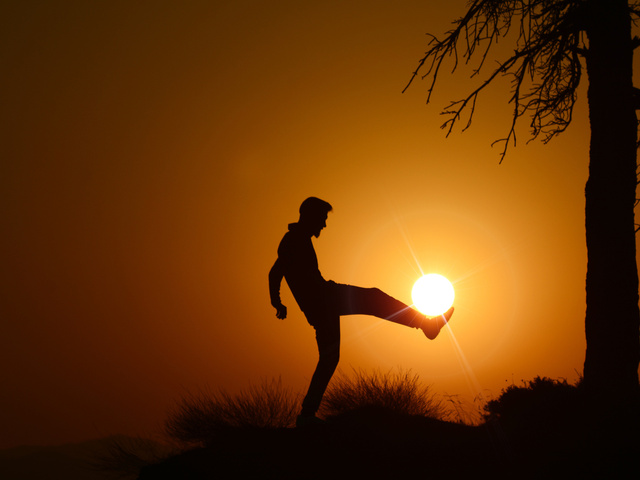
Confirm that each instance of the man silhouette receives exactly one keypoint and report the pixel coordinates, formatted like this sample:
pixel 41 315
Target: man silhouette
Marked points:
pixel 323 302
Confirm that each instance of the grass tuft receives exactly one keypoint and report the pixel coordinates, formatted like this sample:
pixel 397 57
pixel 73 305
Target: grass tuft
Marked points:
pixel 463 411
pixel 123 457
pixel 400 392
pixel 199 419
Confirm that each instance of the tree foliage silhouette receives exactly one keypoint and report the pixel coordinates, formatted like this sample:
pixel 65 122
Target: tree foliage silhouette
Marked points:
pixel 554 41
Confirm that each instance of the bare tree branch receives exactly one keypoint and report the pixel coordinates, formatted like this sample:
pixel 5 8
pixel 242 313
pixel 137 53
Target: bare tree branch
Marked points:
pixel 545 68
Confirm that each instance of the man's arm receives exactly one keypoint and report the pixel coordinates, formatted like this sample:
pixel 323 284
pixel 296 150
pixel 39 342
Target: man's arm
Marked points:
pixel 276 275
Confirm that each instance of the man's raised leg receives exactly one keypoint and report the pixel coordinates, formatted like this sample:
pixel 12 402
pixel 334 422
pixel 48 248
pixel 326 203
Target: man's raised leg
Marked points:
pixel 373 301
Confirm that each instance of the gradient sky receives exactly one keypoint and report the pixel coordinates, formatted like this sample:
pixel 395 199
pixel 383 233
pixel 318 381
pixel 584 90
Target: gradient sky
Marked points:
pixel 153 153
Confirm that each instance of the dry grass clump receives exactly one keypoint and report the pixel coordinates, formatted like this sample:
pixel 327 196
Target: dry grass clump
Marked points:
pixel 122 457
pixel 205 418
pixel 399 392
pixel 201 418
pixel 464 411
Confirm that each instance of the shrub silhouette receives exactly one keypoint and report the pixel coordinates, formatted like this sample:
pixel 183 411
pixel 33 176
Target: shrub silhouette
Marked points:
pixel 201 418
pixel 398 392
pixel 539 403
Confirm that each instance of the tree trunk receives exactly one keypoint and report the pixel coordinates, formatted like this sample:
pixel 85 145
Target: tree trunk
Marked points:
pixel 612 317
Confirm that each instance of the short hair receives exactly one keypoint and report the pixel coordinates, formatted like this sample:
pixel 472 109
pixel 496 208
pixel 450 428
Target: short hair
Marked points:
pixel 313 206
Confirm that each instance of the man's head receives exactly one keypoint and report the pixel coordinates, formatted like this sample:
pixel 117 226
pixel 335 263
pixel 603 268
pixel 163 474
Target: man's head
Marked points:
pixel 313 215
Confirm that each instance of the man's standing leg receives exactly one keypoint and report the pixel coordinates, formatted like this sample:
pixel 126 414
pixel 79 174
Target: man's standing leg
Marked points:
pixel 328 339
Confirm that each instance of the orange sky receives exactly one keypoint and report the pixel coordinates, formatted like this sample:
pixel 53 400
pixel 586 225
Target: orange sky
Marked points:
pixel 153 154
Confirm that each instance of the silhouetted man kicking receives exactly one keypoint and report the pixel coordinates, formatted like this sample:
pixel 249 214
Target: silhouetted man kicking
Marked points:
pixel 323 302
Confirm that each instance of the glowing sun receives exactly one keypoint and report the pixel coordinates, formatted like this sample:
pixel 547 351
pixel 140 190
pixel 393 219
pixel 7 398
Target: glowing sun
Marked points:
pixel 432 294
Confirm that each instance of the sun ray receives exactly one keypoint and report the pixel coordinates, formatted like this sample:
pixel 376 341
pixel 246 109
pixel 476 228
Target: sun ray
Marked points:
pixel 407 241
pixel 472 380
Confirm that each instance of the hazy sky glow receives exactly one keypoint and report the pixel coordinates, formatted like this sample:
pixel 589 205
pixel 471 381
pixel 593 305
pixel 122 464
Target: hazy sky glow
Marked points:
pixel 153 154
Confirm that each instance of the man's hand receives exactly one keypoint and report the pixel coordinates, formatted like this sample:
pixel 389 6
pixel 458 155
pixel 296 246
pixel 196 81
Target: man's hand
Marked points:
pixel 281 311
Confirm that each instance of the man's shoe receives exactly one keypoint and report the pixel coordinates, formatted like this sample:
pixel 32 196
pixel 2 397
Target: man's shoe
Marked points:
pixel 432 326
pixel 308 421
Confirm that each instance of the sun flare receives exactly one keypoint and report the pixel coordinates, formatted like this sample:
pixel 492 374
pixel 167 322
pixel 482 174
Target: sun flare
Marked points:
pixel 432 294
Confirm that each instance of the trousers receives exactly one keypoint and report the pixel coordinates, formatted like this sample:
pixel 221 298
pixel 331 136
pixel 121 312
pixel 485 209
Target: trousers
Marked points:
pixel 341 300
